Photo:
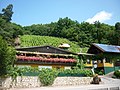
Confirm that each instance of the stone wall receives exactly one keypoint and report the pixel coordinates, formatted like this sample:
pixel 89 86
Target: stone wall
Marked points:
pixel 21 82
pixel 33 81
pixel 72 81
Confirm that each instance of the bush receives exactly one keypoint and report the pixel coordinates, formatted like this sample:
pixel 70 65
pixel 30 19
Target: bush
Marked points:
pixel 30 71
pixel 47 76
pixel 75 72
pixel 15 72
pixel 7 57
pixel 99 71
pixel 88 73
pixel 117 73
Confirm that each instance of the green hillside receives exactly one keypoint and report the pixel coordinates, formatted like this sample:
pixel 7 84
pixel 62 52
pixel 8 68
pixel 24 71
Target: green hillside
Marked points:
pixel 33 40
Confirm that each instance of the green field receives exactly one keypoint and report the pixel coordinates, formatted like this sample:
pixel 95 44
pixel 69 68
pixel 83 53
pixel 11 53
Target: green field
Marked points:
pixel 33 40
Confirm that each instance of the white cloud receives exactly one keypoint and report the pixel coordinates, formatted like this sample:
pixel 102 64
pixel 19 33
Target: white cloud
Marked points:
pixel 100 16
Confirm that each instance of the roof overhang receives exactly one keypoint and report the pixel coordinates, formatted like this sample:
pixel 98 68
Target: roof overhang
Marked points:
pixel 38 53
pixel 87 54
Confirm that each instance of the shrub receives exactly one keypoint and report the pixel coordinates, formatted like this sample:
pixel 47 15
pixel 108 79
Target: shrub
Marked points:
pixel 24 71
pixel 31 71
pixel 75 72
pixel 117 73
pixel 7 57
pixel 100 73
pixel 47 76
pixel 15 72
pixel 88 73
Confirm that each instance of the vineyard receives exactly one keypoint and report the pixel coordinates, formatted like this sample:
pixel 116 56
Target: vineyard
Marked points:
pixel 33 40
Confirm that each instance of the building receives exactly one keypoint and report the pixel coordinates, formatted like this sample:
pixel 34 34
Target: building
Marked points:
pixel 45 56
pixel 107 57
pixel 86 59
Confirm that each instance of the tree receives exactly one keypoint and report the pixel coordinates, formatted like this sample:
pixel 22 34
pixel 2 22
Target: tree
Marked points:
pixel 63 24
pixel 15 30
pixel 7 13
pixel 117 32
pixel 101 32
pixel 7 57
pixel 9 31
pixel 98 31
pixel 39 29
pixel 85 34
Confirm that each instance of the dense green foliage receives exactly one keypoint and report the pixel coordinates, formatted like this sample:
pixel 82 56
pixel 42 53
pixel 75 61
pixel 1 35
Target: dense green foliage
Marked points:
pixel 47 76
pixel 99 71
pixel 9 30
pixel 7 13
pixel 33 40
pixel 15 72
pixel 7 57
pixel 84 33
pixel 117 74
pixel 28 71
pixel 75 72
pixel 117 33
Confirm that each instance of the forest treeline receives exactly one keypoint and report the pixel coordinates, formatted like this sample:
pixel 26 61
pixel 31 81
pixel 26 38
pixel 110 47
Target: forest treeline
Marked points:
pixel 83 33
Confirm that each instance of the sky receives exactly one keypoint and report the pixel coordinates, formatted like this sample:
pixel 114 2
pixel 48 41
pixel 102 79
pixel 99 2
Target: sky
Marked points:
pixel 28 12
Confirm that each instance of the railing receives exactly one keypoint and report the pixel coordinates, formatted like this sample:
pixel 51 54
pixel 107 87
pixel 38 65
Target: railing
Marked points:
pixel 41 60
pixel 105 65
pixel 88 65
